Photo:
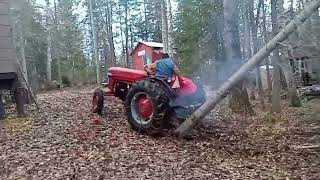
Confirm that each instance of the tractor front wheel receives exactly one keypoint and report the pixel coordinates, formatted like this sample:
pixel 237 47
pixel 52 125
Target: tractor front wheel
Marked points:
pixel 146 105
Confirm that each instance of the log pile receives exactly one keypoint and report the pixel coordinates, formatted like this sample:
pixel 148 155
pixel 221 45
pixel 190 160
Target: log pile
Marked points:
pixel 313 90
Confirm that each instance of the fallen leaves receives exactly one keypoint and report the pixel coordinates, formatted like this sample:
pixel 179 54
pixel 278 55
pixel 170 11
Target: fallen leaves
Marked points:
pixel 66 141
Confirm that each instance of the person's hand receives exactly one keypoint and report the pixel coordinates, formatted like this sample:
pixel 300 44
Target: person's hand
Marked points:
pixel 148 69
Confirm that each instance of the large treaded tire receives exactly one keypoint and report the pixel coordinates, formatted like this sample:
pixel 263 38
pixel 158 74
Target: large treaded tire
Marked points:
pixel 160 97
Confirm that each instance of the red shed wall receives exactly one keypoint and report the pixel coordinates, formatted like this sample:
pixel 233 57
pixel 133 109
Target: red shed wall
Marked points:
pixel 156 55
pixel 138 60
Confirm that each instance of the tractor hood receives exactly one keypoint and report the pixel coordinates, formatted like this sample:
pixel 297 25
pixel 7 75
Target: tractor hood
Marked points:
pixel 126 74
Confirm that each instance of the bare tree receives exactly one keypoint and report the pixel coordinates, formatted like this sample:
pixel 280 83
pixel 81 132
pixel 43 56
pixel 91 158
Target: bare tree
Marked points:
pixel 293 98
pixel 126 32
pixel 23 55
pixel 56 46
pixel 239 100
pixel 276 86
pixel 170 29
pixel 49 47
pixel 267 60
pixel 254 21
pixel 164 26
pixel 95 48
pixel 110 33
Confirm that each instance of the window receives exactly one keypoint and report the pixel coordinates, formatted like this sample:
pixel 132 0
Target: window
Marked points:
pixel 147 59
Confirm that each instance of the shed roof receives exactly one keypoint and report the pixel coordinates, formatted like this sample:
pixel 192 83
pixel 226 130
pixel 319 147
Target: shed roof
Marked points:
pixel 153 44
pixel 304 52
pixel 150 44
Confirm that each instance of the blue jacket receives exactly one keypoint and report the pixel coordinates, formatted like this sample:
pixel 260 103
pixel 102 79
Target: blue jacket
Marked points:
pixel 165 68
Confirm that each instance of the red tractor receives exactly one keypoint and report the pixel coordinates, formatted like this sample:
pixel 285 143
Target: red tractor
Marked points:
pixel 150 102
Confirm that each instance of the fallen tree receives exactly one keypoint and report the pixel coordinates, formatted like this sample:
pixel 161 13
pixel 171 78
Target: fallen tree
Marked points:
pixel 200 113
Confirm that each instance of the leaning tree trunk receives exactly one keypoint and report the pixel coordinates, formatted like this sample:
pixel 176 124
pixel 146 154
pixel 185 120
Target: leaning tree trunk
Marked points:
pixel 240 74
pixel 239 100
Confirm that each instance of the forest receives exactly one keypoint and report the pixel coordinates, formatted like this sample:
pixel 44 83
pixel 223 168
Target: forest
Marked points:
pixel 258 62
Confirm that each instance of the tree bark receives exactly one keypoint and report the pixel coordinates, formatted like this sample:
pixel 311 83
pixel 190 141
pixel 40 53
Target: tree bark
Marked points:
pixel 49 46
pixel 19 98
pixel 49 57
pixel 126 34
pixel 265 37
pixel 247 30
pixel 293 97
pixel 164 28
pixel 170 29
pixel 110 34
pixel 56 46
pixel 95 48
pixel 145 37
pixel 276 85
pixel 238 101
pixel 212 101
pixel 254 26
pixel 123 58
pixel 291 10
pixel 23 55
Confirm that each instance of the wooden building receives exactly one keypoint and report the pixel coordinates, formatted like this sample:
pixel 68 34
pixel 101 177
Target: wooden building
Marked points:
pixel 305 63
pixel 9 67
pixel 145 53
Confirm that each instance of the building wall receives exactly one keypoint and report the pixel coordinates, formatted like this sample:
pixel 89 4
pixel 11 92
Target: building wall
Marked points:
pixel 8 62
pixel 138 56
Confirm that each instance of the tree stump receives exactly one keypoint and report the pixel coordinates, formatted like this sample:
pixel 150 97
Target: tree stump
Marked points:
pixel 20 101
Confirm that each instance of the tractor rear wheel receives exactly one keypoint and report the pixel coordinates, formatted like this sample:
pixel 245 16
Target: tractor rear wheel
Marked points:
pixel 97 101
pixel 146 105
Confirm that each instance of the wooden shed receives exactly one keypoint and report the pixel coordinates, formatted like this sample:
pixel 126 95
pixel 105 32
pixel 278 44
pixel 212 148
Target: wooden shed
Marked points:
pixel 8 63
pixel 305 63
pixel 9 67
pixel 145 53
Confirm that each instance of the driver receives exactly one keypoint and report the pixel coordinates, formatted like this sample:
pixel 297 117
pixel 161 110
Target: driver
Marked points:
pixel 164 68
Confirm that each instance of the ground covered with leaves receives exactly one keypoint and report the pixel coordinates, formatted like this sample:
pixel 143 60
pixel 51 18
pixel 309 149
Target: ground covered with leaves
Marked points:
pixel 65 141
